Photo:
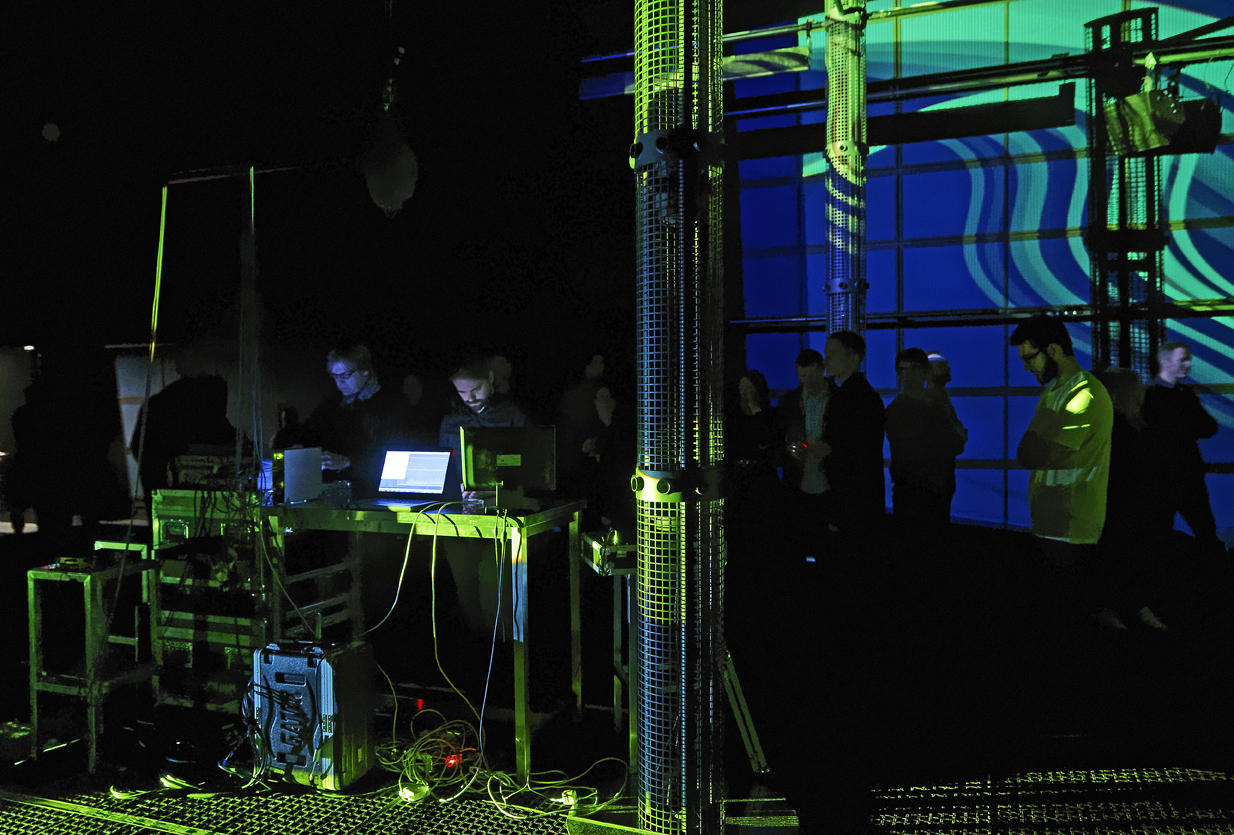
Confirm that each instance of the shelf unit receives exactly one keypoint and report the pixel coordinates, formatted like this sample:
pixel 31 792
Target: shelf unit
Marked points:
pixel 223 589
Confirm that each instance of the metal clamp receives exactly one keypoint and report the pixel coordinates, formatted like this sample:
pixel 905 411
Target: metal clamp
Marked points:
pixel 702 484
pixel 658 486
pixel 658 146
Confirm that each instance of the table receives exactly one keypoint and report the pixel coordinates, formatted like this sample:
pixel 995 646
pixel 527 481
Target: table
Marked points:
pixel 516 529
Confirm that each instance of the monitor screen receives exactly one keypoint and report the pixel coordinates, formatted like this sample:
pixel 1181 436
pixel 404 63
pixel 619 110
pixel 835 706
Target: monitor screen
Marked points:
pixel 510 457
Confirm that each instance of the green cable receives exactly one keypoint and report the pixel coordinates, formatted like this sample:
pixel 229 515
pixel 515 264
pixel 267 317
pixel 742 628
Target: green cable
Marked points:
pixel 158 275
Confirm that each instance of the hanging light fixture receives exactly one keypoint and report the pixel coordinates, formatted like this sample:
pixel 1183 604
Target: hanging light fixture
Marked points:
pixel 390 166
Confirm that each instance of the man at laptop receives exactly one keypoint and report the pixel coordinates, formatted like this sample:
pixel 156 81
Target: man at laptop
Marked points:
pixel 471 561
pixel 353 430
pixel 478 403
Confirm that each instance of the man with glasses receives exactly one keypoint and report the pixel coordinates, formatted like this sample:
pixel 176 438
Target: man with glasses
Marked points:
pixel 1067 444
pixel 354 430
pixel 1067 449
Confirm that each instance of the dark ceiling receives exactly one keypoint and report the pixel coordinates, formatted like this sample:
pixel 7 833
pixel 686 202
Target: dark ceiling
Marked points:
pixel 519 180
pixel 524 190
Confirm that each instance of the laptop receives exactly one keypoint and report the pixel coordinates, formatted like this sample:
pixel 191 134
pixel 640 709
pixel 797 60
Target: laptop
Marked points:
pixel 301 474
pixel 411 478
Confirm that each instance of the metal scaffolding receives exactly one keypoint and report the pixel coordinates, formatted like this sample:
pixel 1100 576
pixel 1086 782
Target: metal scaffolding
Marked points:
pixel 1125 236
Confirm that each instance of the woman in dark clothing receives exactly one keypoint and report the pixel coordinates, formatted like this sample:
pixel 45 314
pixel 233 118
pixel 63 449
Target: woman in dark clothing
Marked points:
pixel 751 449
pixel 753 497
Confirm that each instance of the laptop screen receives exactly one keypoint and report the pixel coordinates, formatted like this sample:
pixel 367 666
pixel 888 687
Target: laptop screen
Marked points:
pixel 407 472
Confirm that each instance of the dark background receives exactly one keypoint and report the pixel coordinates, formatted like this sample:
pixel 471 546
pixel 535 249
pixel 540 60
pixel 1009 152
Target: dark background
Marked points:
pixel 519 234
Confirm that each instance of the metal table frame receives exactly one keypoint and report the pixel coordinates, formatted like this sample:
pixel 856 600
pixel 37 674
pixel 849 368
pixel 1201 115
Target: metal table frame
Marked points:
pixel 516 529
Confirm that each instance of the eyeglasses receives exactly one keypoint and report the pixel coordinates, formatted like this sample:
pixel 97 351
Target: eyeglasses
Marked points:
pixel 1030 357
pixel 345 376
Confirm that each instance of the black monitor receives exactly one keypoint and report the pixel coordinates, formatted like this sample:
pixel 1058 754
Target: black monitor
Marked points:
pixel 514 461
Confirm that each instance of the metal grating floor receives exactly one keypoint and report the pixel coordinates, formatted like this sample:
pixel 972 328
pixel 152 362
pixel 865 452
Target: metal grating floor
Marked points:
pixel 1143 801
pixel 1177 801
pixel 310 814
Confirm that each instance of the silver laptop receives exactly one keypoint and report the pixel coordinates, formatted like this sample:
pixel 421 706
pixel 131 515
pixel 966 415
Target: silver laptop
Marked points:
pixel 301 474
pixel 410 478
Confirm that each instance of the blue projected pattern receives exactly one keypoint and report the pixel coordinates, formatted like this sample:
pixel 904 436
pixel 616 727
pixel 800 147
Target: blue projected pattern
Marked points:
pixel 988 222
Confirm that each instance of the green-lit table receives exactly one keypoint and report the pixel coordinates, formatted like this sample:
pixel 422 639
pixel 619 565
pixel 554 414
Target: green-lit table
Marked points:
pixel 516 530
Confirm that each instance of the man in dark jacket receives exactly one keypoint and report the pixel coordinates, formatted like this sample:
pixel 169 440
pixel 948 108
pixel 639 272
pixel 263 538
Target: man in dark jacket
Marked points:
pixel 799 423
pixel 925 438
pixel 853 437
pixel 1176 422
pixel 356 429
pixel 799 420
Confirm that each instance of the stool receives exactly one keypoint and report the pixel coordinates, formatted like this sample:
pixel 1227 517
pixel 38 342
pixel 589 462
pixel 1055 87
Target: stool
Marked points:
pixel 103 671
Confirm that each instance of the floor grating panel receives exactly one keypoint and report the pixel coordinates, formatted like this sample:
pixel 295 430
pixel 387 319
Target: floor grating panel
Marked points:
pixel 1177 801
pixel 101 814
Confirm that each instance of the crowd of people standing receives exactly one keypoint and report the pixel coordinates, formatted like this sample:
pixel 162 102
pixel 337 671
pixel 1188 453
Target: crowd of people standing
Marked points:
pixel 1111 460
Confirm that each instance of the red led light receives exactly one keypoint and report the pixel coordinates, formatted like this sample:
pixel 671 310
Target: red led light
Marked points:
pixel 452 760
pixel 419 704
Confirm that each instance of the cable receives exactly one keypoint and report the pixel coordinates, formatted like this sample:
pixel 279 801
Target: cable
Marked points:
pixel 433 611
pixel 499 547
pixel 564 792
pixel 492 652
pixel 257 744
pixel 444 756
pixel 406 558
pixel 439 757
pixel 394 693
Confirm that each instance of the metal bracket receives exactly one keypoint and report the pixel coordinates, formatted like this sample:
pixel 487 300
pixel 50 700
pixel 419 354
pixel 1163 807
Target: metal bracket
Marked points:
pixel 659 146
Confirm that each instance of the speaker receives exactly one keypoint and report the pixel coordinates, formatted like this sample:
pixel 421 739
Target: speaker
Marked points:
pixel 313 709
pixel 1155 123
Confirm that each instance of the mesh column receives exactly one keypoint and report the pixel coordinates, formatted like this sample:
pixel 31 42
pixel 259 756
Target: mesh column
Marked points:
pixel 679 615
pixel 846 157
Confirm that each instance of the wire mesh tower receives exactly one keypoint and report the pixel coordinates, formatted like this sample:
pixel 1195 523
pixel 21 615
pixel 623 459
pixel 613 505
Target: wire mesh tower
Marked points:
pixel 1125 235
pixel 679 616
pixel 846 156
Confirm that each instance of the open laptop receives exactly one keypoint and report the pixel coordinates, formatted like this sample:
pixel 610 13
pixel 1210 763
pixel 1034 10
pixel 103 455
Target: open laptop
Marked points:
pixel 411 478
pixel 301 474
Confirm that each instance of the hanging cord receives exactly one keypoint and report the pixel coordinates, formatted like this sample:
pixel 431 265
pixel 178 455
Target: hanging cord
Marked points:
pixel 154 327
pixel 398 588
pixel 248 389
pixel 259 438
